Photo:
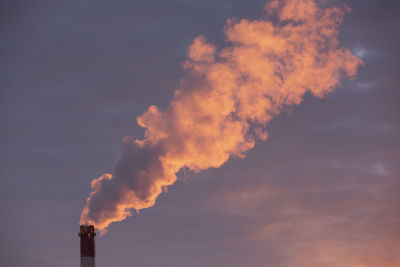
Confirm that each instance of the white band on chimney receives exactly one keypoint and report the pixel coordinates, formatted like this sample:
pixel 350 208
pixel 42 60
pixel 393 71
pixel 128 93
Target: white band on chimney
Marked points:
pixel 87 261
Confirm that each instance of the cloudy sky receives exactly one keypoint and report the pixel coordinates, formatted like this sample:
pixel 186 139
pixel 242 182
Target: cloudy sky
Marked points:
pixel 323 190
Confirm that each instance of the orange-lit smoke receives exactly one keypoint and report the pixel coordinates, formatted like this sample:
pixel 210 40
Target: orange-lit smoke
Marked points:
pixel 225 101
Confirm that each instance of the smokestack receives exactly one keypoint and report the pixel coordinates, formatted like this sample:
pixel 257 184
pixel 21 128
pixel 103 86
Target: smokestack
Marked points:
pixel 87 234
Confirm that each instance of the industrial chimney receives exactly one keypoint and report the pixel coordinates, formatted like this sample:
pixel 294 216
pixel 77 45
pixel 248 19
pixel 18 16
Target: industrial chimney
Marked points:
pixel 87 235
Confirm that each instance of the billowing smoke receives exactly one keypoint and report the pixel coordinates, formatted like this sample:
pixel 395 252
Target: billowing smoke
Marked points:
pixel 225 101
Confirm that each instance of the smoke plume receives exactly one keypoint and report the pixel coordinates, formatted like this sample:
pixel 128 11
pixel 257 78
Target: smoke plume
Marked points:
pixel 225 101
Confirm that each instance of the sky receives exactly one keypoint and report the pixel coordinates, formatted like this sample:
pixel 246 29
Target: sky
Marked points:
pixel 322 190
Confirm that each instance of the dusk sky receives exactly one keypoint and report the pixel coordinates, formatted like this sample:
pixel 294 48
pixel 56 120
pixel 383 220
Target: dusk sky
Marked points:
pixel 322 190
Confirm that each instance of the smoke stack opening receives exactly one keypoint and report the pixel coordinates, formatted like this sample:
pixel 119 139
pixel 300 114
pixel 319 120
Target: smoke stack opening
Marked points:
pixel 87 234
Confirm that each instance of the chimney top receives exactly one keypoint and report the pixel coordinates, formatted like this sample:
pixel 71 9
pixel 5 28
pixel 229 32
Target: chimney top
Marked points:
pixel 87 230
